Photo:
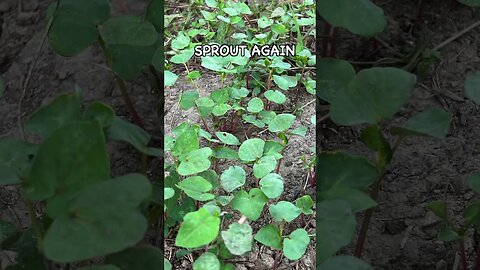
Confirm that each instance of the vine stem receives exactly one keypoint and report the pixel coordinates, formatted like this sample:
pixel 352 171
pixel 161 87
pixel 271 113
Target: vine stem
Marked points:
pixel 123 88
pixel 368 214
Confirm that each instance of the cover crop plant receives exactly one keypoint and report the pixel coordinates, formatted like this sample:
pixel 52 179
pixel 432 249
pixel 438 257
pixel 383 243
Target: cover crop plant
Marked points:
pixel 223 176
pixel 68 172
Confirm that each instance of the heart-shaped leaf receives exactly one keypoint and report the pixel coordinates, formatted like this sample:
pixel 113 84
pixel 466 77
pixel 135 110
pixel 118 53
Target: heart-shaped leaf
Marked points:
pixel 295 244
pixel 238 238
pixel 128 30
pixel 232 178
pixel 360 17
pixel 255 105
pixel 336 224
pixel 434 123
pixel 198 228
pixel 250 204
pixel 196 161
pixel 78 154
pixel 227 138
pixel 305 203
pixel 129 61
pixel 196 187
pixel 283 210
pixel 264 166
pixel 188 98
pixel 272 185
pixel 85 230
pixel 373 96
pixel 275 96
pixel 15 160
pixel 333 74
pixel 61 111
pixel 207 261
pixel 281 122
pixel 269 236
pixel 251 149
pixel 74 27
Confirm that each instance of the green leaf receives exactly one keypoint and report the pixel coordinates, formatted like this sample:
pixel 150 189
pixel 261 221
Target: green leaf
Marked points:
pixel 183 57
pixel 269 236
pixel 449 235
pixel 205 106
pixel 221 109
pixel 154 14
pixel 128 30
pixel 166 264
pixel 75 25
pixel 281 122
pixel 207 261
pixel 299 131
pixel 438 207
pixel 295 245
pixel 186 142
pixel 100 112
pixel 434 123
pixel 471 3
pixel 283 210
pixel 195 161
pixel 61 111
pixel 275 96
pixel 232 178
pixel 273 148
pixel 26 247
pixel 78 155
pixel 373 96
pixel 250 204
pixel 360 17
pixel 238 238
pixel 264 22
pixel 129 61
pixel 168 193
pixel 344 262
pixel 373 138
pixel 251 149
pixel 220 96
pixel 170 78
pixel 278 28
pixel 473 182
pixel 255 105
pixel 181 41
pixel 199 228
pixel 211 176
pixel 137 258
pixel 196 187
pixel 85 230
pixel 272 185
pixel 211 3
pixel 253 120
pixel 281 81
pixel 225 153
pixel 359 200
pixel 188 99
pixel 336 224
pixel 305 203
pixel 15 160
pixel 239 93
pixel 264 166
pixel 227 138
pixel 121 130
pixel 471 215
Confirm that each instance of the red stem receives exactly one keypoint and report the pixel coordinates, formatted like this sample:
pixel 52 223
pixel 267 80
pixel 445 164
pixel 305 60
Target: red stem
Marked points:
pixel 276 260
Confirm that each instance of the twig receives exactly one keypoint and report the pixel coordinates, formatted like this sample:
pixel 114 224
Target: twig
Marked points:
pixel 456 35
pixel 24 85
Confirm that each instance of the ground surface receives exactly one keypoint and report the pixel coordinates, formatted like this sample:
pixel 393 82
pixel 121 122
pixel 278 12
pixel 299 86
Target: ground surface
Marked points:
pixel 22 31
pixel 403 234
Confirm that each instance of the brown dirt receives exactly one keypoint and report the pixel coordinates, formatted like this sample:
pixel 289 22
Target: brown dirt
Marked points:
pixel 403 234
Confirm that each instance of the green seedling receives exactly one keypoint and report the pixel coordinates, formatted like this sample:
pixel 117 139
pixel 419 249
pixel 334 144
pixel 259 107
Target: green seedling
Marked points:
pixel 68 171
pixel 370 98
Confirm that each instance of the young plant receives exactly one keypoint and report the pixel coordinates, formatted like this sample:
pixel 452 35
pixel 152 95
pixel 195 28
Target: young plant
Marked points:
pixel 68 172
pixel 370 98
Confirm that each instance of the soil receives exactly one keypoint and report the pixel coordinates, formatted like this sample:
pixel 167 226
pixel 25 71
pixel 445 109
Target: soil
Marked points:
pixel 23 26
pixel 403 233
